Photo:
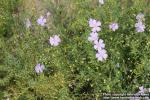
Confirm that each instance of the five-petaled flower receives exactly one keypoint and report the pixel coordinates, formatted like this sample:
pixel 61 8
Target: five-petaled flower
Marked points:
pixel 139 26
pixel 95 25
pixel 93 37
pixel 101 55
pixel 113 26
pixel 39 68
pixel 140 17
pixel 141 89
pixel 98 45
pixel 41 21
pixel 55 40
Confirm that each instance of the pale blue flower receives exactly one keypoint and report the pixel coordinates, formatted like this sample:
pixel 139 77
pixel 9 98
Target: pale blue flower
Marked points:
pixel 99 44
pixel 93 37
pixel 140 17
pixel 41 21
pixel 141 89
pixel 95 25
pixel 39 68
pixel 55 40
pixel 101 55
pixel 113 26
pixel 140 27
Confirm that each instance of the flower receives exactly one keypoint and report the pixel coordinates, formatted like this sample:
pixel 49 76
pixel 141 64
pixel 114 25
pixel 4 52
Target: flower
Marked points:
pixel 99 44
pixel 93 37
pixel 41 21
pixel 139 26
pixel 141 89
pixel 48 14
pixel 95 25
pixel 101 2
pixel 101 55
pixel 28 23
pixel 55 40
pixel 113 26
pixel 140 17
pixel 39 68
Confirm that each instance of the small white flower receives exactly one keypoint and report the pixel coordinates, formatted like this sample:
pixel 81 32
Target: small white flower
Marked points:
pixel 48 14
pixel 99 44
pixel 41 21
pixel 28 23
pixel 95 25
pixel 113 26
pixel 140 17
pixel 101 55
pixel 39 68
pixel 139 26
pixel 149 90
pixel 55 40
pixel 101 2
pixel 93 37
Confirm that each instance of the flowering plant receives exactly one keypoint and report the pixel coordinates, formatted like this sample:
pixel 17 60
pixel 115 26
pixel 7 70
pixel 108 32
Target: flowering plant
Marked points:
pixel 73 49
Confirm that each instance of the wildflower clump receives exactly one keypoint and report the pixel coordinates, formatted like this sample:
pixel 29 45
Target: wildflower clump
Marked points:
pixel 99 45
pixel 76 49
pixel 139 25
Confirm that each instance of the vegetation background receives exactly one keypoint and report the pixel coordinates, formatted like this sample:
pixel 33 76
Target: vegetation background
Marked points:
pixel 71 70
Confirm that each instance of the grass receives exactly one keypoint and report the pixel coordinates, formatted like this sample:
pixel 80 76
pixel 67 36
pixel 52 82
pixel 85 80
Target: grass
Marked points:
pixel 71 70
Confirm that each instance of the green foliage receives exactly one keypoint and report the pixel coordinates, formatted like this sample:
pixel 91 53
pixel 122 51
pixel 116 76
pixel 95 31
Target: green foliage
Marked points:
pixel 71 69
pixel 8 9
